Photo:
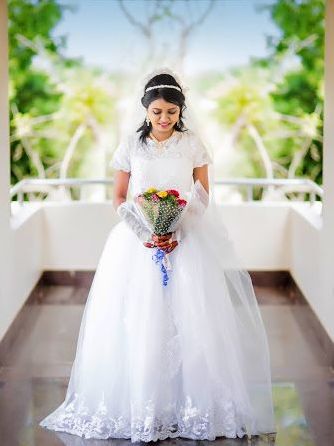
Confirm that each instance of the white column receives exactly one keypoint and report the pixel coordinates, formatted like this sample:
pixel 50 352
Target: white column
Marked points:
pixel 326 297
pixel 4 124
pixel 4 129
pixel 5 244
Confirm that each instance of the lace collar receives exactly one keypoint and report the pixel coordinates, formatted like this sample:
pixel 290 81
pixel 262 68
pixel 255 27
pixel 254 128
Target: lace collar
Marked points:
pixel 174 138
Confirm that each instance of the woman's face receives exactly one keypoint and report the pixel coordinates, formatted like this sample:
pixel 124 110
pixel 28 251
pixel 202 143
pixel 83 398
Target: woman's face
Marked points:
pixel 163 115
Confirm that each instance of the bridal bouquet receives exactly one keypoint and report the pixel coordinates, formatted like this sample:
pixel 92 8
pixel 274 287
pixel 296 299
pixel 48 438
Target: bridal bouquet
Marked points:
pixel 161 210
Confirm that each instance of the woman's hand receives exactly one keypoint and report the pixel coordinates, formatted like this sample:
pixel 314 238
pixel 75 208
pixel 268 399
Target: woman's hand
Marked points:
pixel 162 242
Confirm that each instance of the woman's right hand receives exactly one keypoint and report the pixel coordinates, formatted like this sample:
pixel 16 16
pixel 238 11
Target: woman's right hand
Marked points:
pixel 149 244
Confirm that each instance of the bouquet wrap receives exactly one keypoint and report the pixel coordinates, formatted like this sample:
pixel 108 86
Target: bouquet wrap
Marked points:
pixel 161 211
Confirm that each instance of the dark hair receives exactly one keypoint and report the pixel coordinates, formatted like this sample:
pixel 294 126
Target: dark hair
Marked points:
pixel 168 94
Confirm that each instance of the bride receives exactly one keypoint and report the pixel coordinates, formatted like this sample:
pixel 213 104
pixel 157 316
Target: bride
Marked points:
pixel 189 359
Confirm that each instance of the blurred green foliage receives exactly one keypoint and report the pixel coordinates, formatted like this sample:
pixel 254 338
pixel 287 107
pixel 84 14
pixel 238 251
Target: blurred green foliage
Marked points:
pixel 272 109
pixel 32 92
pixel 60 109
pixel 301 90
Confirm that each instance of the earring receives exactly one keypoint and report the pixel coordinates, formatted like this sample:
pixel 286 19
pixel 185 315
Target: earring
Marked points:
pixel 147 121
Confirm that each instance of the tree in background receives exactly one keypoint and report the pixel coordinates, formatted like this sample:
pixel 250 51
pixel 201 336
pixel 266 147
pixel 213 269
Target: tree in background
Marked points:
pixel 61 111
pixel 300 92
pixel 184 16
pixel 271 111
pixel 33 97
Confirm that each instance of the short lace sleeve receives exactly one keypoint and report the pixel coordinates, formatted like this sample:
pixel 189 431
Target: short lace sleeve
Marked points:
pixel 200 153
pixel 121 156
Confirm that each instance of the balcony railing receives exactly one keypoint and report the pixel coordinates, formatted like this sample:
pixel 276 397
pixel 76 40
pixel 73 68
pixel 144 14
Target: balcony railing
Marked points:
pixel 295 185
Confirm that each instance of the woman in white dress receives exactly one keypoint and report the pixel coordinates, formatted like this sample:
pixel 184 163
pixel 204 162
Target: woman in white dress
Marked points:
pixel 189 359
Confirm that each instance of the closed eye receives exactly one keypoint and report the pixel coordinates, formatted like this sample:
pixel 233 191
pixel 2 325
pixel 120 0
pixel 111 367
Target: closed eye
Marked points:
pixel 158 113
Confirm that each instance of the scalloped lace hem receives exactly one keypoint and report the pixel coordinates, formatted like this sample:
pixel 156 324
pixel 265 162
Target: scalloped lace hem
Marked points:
pixel 164 432
pixel 186 422
pixel 141 437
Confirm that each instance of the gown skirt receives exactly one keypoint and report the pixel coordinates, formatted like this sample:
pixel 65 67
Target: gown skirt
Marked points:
pixel 189 359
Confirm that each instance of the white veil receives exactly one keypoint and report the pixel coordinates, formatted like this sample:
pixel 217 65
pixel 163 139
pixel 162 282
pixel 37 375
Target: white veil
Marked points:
pixel 253 350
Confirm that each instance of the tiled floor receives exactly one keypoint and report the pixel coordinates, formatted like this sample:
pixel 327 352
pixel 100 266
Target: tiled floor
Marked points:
pixel 34 372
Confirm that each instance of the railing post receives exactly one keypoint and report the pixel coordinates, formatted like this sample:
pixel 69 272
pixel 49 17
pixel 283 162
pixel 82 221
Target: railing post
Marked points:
pixel 20 196
pixel 249 192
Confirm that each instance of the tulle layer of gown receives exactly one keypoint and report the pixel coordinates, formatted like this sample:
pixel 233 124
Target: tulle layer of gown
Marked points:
pixel 187 360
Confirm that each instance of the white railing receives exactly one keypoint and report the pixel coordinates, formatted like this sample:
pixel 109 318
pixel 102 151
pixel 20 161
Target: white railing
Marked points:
pixel 304 185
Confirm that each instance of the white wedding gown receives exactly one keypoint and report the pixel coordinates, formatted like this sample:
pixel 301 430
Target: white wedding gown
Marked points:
pixel 189 359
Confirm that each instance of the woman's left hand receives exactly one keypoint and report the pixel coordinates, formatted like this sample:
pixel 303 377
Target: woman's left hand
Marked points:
pixel 163 242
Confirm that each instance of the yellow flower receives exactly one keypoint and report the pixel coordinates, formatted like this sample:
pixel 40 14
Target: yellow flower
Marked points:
pixel 162 194
pixel 151 190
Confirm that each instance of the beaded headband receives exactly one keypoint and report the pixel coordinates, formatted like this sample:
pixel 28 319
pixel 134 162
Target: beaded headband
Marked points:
pixel 163 86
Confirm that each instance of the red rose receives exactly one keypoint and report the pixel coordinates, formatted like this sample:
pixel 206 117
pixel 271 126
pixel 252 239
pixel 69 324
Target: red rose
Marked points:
pixel 173 192
pixel 181 202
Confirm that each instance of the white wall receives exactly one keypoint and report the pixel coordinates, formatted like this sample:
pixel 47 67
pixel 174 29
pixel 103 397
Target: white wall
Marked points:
pixel 21 260
pixel 305 258
pixel 75 234
pixel 261 234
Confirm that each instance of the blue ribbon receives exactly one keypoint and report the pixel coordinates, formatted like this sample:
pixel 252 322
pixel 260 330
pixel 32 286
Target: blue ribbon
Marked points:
pixel 158 257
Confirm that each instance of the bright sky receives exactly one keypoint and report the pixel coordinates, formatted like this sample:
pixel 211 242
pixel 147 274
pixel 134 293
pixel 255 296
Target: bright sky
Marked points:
pixel 233 32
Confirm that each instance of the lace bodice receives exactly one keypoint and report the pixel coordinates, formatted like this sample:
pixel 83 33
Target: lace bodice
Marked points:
pixel 167 167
